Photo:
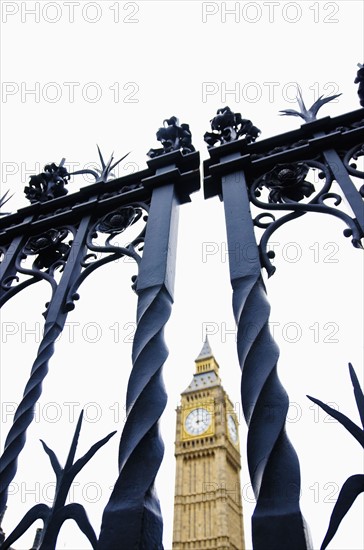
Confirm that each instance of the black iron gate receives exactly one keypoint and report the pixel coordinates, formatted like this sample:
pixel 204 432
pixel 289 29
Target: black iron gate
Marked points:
pixel 61 239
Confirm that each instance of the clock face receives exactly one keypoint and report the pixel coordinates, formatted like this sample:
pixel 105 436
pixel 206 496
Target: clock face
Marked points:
pixel 233 430
pixel 198 421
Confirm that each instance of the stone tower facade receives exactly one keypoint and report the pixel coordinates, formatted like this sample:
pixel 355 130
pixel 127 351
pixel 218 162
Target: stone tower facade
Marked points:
pixel 207 504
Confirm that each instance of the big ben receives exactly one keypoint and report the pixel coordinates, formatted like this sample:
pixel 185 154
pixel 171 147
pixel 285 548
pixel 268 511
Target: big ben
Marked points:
pixel 207 504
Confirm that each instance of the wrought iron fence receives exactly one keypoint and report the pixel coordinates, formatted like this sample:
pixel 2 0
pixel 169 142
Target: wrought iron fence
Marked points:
pixel 272 175
pixel 59 232
pixel 61 235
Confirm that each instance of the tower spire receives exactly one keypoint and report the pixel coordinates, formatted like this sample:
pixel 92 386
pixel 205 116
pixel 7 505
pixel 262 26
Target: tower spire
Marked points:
pixel 206 351
pixel 206 361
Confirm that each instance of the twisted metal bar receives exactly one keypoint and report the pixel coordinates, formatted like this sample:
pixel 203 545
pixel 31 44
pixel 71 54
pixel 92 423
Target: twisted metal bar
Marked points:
pixel 272 460
pixel 56 316
pixel 24 414
pixel 273 464
pixel 135 519
pixel 132 517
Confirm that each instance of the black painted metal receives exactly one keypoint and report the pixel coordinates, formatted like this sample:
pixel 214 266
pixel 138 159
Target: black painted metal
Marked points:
pixel 360 80
pixel 272 461
pixel 133 512
pixel 271 175
pixel 53 517
pixel 354 485
pixel 60 234
pixel 55 318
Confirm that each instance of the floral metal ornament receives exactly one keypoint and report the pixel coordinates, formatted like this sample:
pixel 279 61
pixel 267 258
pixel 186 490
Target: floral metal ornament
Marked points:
pixel 53 517
pixel 104 174
pixel 174 137
pixel 354 485
pixel 287 183
pixel 49 248
pixel 288 187
pixel 308 115
pixel 227 126
pixel 119 220
pixel 360 80
pixel 49 184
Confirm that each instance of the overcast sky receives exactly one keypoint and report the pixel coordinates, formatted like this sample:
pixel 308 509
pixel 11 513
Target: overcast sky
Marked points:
pixel 79 73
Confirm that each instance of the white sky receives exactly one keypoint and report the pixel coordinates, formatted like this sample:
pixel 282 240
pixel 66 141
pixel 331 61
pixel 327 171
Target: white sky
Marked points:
pixel 130 65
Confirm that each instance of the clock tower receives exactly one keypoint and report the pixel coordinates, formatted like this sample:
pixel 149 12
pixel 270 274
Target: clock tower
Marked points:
pixel 207 504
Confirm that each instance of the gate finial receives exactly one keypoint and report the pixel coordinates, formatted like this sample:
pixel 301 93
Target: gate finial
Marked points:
pixel 228 126
pixel 308 115
pixel 360 80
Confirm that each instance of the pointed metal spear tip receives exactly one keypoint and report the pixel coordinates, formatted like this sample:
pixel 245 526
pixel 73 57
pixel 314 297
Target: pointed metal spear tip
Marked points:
pixel 117 162
pixel 3 199
pixel 321 101
pixel 101 157
pixel 352 371
pixel 300 101
pixel 289 112
pixel 72 451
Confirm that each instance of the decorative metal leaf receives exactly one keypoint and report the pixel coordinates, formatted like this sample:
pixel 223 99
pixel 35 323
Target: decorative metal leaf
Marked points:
pixel 355 431
pixel 359 396
pixel 72 451
pixel 54 517
pixel 291 112
pixel 101 157
pixel 321 101
pixel 103 174
pixel 78 514
pixel 3 200
pixel 57 468
pixel 39 511
pixel 82 461
pixel 300 101
pixel 352 487
pixel 308 115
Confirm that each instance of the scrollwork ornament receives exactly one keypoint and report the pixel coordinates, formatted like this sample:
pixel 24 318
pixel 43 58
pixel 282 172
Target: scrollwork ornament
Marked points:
pixel 354 154
pixel 112 224
pixel 288 186
pixel 51 253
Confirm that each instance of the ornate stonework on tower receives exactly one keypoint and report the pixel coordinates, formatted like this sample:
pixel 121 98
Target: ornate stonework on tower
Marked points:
pixel 207 503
